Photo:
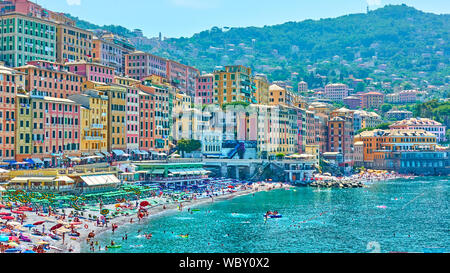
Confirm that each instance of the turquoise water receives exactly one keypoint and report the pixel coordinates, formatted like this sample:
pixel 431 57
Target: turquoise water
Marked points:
pixel 400 216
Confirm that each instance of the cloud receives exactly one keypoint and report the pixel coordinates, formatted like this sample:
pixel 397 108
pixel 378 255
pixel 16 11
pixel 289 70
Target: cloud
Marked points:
pixel 374 2
pixel 73 2
pixel 196 4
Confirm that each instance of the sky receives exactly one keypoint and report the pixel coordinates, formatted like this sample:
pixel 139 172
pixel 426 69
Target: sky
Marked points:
pixel 183 18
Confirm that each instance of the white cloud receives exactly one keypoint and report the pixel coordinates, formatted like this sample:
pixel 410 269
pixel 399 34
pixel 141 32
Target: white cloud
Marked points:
pixel 73 2
pixel 374 2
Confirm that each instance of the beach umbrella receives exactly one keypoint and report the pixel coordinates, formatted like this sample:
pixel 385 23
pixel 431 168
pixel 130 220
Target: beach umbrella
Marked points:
pixel 13 238
pixel 38 223
pixel 28 251
pixel 144 203
pixel 55 227
pixel 29 226
pixel 17 212
pixel 63 230
pixel 8 218
pixel 5 214
pixel 4 238
pixel 2 206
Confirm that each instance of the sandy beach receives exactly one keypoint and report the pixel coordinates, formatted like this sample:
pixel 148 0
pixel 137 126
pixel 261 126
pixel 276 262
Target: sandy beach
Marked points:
pixel 75 244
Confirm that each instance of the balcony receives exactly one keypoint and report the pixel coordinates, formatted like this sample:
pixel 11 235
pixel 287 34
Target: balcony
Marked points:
pixel 97 126
pixel 91 138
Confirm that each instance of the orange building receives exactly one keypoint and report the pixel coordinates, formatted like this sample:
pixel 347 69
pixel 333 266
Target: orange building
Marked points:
pixel 372 100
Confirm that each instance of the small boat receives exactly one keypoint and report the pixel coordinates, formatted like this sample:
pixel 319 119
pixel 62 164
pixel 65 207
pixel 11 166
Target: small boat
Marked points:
pixel 184 236
pixel 276 216
pixel 12 250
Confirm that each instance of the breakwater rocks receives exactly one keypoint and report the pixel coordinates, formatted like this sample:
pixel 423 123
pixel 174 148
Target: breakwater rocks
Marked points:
pixel 346 184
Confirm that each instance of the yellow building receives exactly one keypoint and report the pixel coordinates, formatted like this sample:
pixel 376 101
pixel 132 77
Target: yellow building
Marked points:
pixel 233 84
pixel 313 150
pixel 73 43
pixel 23 128
pixel 126 81
pixel 262 89
pixel 94 121
pixel 117 100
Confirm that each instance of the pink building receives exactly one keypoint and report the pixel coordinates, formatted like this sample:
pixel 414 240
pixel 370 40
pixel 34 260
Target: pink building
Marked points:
pixel 204 89
pixel 92 71
pixel 336 92
pixel 25 7
pixel 139 65
pixel 132 118
pixel 51 78
pixel 56 128
pixel 182 77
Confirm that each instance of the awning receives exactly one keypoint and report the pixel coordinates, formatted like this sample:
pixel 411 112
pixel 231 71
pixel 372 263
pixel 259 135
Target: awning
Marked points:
pixel 31 179
pixel 37 161
pixel 30 161
pixel 64 179
pixel 99 180
pixel 118 152
pixel 12 162
pixel 157 171
pixel 99 154
pixel 73 158
pixel 175 171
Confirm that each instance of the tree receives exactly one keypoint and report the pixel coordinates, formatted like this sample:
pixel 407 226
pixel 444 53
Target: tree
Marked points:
pixel 188 146
pixel 386 107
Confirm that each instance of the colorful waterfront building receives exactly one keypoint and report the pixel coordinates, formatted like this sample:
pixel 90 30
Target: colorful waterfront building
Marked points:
pixel 139 65
pixel 73 43
pixel 204 89
pixel 340 135
pixel 25 39
pixel 53 79
pixel 23 132
pixel 92 71
pixel 425 124
pixel 11 82
pixel 94 121
pixel 262 89
pixel 156 106
pixel 117 132
pixel 146 125
pixel 56 128
pixel 383 149
pixel 182 77
pixel 110 50
pixel 132 112
pixel 233 84
pixel 25 7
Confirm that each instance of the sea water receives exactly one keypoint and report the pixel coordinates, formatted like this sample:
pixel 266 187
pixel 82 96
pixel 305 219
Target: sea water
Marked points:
pixel 388 216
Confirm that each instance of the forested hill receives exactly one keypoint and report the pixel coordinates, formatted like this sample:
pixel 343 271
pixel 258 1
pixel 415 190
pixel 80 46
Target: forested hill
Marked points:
pixel 393 39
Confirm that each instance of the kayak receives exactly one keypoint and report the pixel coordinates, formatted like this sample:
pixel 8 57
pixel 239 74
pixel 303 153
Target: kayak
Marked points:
pixel 115 246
